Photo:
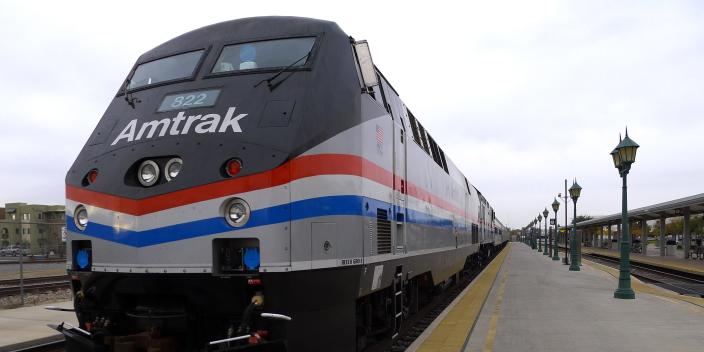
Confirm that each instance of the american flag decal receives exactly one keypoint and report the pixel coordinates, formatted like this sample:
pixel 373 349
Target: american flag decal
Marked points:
pixel 379 138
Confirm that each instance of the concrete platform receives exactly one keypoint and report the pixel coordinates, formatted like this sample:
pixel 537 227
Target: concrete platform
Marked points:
pixel 29 323
pixel 536 304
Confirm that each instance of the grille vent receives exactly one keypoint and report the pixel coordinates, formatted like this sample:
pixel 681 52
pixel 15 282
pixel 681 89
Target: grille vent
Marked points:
pixel 383 232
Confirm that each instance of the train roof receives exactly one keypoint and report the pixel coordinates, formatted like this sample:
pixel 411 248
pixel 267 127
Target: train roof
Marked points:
pixel 243 29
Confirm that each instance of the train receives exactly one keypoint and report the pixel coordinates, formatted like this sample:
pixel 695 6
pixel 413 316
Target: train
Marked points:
pixel 259 184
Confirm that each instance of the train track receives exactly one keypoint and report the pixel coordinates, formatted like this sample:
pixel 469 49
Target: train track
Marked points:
pixel 32 261
pixel 673 280
pixel 33 285
pixel 54 343
pixel 415 325
pixel 53 346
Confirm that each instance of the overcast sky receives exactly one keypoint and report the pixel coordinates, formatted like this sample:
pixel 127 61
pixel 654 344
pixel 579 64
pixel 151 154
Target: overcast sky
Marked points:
pixel 520 94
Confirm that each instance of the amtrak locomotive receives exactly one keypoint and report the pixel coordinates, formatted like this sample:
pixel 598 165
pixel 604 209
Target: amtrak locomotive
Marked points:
pixel 258 182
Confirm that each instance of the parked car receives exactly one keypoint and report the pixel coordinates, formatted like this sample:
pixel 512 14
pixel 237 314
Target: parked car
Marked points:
pixel 13 251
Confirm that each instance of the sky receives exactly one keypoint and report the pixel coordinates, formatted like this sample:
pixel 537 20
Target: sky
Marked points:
pixel 521 95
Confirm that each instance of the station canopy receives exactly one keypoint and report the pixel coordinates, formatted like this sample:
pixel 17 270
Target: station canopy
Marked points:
pixel 677 207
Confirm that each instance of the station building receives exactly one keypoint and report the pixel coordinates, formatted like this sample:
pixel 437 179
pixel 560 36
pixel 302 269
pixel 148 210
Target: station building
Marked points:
pixel 37 227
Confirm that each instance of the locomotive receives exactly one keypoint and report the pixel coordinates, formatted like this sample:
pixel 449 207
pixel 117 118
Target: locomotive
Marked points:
pixel 258 183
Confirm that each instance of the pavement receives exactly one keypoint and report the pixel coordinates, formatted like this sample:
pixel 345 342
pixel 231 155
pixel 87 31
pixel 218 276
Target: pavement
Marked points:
pixel 537 304
pixel 29 323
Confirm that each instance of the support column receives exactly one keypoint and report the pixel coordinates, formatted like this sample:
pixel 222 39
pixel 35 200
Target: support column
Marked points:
pixel 644 236
pixel 687 238
pixel 595 239
pixel 662 235
pixel 608 232
pixel 630 235
pixel 618 237
pixel 580 237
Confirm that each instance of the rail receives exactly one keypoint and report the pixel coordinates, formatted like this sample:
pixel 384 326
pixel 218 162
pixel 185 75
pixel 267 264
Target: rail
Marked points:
pixel 673 280
pixel 37 284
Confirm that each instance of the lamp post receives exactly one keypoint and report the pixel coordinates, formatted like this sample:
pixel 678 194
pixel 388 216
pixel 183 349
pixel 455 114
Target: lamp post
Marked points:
pixel 533 244
pixel 540 240
pixel 624 155
pixel 535 234
pixel 555 207
pixel 566 260
pixel 545 216
pixel 575 191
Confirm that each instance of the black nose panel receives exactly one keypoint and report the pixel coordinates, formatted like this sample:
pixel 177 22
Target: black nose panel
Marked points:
pixel 277 113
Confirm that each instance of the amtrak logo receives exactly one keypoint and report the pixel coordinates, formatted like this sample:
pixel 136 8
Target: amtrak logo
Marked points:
pixel 209 123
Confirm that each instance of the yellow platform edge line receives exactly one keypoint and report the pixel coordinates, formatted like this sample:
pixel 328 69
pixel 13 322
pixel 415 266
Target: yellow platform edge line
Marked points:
pixel 494 323
pixel 452 332
pixel 641 287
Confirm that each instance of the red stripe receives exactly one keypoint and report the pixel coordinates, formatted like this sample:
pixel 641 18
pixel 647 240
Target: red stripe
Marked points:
pixel 301 167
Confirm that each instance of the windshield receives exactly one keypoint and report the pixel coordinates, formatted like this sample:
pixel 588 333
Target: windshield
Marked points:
pixel 166 69
pixel 265 54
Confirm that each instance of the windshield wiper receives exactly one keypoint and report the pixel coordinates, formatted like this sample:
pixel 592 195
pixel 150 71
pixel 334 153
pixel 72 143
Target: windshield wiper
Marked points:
pixel 277 74
pixel 128 96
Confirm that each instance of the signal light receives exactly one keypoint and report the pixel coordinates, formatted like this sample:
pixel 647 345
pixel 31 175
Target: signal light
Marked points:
pixel 80 217
pixel 233 167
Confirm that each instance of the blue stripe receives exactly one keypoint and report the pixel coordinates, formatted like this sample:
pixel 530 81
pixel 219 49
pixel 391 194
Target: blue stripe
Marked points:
pixel 303 209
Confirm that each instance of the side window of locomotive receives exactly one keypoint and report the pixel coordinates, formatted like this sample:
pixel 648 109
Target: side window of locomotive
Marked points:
pixel 414 126
pixel 444 161
pixel 279 53
pixel 423 138
pixel 377 94
pixel 167 69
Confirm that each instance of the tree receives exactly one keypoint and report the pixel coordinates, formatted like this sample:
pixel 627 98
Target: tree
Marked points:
pixel 581 218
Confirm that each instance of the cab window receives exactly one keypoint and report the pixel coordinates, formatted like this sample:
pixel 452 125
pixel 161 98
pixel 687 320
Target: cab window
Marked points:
pixel 167 69
pixel 279 53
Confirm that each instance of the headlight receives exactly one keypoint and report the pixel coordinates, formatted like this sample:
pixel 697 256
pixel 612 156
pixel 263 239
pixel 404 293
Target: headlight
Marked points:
pixel 237 212
pixel 148 173
pixel 80 217
pixel 173 168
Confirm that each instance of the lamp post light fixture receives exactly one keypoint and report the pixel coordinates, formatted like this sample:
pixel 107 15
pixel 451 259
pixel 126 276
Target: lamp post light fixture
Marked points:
pixel 575 191
pixel 624 155
pixel 555 207
pixel 540 240
pixel 545 216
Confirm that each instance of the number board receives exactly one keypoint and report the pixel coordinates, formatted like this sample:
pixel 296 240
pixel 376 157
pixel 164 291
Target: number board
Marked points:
pixel 189 100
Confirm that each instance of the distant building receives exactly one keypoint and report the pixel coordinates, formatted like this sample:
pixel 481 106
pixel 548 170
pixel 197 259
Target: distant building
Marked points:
pixel 37 227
